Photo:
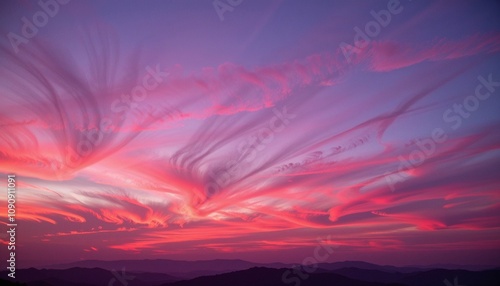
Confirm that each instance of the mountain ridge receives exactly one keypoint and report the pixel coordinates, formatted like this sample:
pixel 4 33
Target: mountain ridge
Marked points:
pixel 299 275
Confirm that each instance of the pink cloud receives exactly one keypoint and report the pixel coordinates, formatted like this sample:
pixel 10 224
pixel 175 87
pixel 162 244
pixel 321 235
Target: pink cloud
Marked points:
pixel 384 56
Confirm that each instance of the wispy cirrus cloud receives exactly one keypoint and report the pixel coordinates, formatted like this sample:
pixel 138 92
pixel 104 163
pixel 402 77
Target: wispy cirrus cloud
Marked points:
pixel 384 56
pixel 297 147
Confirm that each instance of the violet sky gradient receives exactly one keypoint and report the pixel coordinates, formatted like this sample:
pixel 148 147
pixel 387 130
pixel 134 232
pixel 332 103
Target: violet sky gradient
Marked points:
pixel 146 188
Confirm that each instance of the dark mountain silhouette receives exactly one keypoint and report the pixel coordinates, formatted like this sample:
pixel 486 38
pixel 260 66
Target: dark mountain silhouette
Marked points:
pixel 274 277
pixel 8 283
pixel 369 274
pixel 183 269
pixel 367 266
pixel 464 277
pixel 86 277
pixel 455 267
pixel 325 274
pixel 424 277
pixel 193 269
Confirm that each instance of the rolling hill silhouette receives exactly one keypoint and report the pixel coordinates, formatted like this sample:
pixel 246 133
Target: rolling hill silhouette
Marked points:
pixel 221 272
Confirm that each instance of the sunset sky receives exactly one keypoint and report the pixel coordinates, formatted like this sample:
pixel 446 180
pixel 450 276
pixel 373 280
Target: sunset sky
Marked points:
pixel 252 130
